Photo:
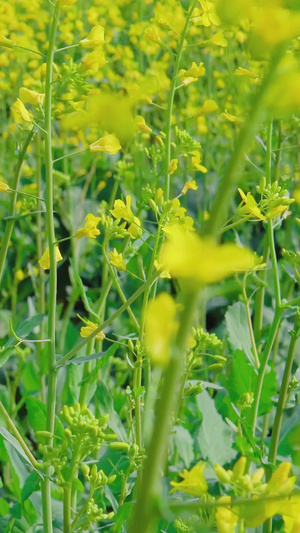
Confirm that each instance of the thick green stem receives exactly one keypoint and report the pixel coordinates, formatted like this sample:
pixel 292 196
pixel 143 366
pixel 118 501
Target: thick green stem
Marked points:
pixel 168 130
pixel 271 241
pixel 224 193
pixel 67 509
pixel 51 392
pixel 143 517
pixel 12 210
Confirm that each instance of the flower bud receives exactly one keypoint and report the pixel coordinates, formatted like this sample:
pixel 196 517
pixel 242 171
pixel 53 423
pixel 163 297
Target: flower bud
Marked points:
pixel 223 475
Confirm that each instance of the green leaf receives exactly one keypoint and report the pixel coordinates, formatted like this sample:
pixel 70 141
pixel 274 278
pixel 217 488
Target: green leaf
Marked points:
pixel 182 439
pixel 13 441
pixel 4 507
pixel 243 378
pixel 36 413
pixel 5 355
pixel 32 484
pixel 105 399
pixel 26 327
pixel 215 437
pixel 93 357
pixel 238 331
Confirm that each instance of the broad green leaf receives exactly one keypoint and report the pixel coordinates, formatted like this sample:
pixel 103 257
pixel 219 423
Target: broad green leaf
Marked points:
pixel 183 441
pixel 36 413
pixel 32 484
pixel 5 355
pixel 4 507
pixel 215 437
pixel 105 399
pixel 25 327
pixel 238 331
pixel 13 441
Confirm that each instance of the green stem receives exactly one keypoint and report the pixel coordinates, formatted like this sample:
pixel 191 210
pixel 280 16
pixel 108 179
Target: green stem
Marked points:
pixel 107 322
pixel 271 241
pixel 143 517
pixel 169 111
pixel 282 398
pixel 263 367
pixel 224 192
pixel 269 153
pixel 67 508
pixel 12 210
pixel 51 393
pixel 11 426
pixel 250 327
pixel 260 298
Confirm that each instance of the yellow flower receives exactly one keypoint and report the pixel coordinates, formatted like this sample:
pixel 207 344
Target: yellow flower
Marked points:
pixel 3 187
pixel 291 514
pixel 151 33
pixel 173 166
pixel 19 275
pixel 141 124
pixel 193 481
pixel 296 195
pixel 209 16
pixel 87 330
pixel 44 262
pixel 218 39
pixel 117 260
pixel 244 72
pixel 20 112
pixel 164 273
pixel 122 210
pixel 94 39
pixel 109 143
pixel 160 328
pixel 190 185
pixel 90 228
pixel 188 256
pixel 31 97
pixel 276 211
pixel 226 518
pixel 92 62
pixel 250 206
pixel 192 74
pixel 4 41
pixel 230 118
pixel 209 106
pixel 196 160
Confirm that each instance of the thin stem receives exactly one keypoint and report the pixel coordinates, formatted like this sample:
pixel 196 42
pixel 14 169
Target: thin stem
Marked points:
pixel 29 50
pixel 107 322
pixel 250 327
pixel 282 398
pixel 169 111
pixel 143 517
pixel 12 210
pixel 51 393
pixel 263 368
pixel 270 234
pixel 18 436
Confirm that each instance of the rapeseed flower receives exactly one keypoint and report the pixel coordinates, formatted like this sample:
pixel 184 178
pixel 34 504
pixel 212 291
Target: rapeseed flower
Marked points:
pixel 193 481
pixel 117 260
pixel 86 331
pixel 20 112
pixel 90 228
pixel 196 162
pixel 190 185
pixel 173 166
pixel 44 262
pixel 141 124
pixel 94 39
pixel 31 97
pixel 92 62
pixel 191 257
pixel 4 187
pixel 109 143
pixel 123 210
pixel 160 328
pixel 250 206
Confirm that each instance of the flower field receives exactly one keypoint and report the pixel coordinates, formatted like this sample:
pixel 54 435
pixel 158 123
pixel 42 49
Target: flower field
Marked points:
pixel 149 266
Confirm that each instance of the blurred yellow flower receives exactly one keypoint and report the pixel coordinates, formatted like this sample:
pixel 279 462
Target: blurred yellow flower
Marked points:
pixel 92 62
pixel 296 195
pixel 109 143
pixel 141 124
pixel 66 3
pixel 173 166
pixel 87 330
pixel 190 185
pixel 226 518
pixel 218 39
pixel 188 256
pixel 90 228
pixel 193 481
pixel 44 262
pixel 164 273
pixel 117 260
pixel 94 39
pixel 160 328
pixel 192 74
pixel 196 162
pixel 31 97
pixel 209 106
pixel 20 112
pixel 3 187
